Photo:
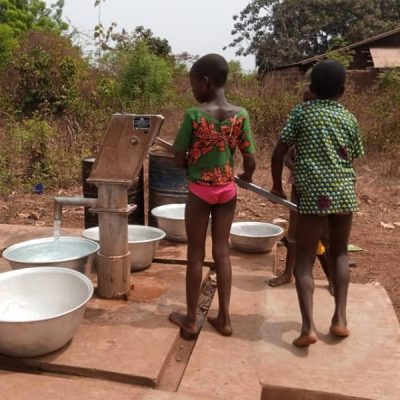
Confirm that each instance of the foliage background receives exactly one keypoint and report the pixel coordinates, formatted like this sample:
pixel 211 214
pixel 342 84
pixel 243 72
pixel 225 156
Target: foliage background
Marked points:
pixel 55 103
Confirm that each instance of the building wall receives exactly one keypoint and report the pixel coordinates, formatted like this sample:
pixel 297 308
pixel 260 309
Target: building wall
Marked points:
pixel 362 78
pixel 283 77
pixel 291 77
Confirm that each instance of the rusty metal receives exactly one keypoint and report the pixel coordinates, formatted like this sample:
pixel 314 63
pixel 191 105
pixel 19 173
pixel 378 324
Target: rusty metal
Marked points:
pixel 264 193
pixel 59 202
pixel 118 163
pixel 125 147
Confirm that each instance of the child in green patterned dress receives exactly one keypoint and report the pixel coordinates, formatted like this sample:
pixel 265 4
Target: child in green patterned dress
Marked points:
pixel 327 140
pixel 205 145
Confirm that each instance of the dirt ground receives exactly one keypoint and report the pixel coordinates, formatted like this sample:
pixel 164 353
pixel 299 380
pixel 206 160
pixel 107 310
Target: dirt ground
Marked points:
pixel 376 227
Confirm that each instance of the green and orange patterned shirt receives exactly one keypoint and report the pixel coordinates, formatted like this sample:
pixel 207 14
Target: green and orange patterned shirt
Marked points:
pixel 211 144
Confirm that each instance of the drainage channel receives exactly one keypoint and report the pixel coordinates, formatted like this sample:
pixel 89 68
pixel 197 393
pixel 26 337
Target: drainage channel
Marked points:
pixel 175 365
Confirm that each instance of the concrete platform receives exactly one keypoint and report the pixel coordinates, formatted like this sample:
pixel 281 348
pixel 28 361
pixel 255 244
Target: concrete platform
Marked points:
pixel 119 340
pixel 260 354
pixel 130 341
pixel 22 386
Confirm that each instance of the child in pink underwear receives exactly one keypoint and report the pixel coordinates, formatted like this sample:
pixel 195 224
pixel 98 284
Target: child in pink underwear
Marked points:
pixel 205 145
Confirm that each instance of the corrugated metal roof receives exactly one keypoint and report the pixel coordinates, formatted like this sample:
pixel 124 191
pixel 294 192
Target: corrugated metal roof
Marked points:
pixel 350 47
pixel 388 57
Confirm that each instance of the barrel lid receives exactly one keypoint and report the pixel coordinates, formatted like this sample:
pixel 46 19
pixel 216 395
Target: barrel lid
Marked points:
pixel 158 151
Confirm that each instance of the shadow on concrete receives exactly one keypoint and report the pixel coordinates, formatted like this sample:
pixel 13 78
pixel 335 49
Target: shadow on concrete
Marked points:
pixel 255 327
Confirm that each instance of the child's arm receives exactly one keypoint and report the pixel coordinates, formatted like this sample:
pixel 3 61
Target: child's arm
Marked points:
pixel 287 139
pixel 247 147
pixel 249 166
pixel 277 160
pixel 182 141
pixel 289 159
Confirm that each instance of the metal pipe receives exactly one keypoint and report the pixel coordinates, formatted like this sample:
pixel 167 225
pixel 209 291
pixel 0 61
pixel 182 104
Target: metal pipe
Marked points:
pixel 264 193
pixel 59 202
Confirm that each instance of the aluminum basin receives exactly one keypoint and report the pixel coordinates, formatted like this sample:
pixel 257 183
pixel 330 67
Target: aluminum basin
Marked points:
pixel 255 237
pixel 40 309
pixel 66 251
pixel 171 219
pixel 143 242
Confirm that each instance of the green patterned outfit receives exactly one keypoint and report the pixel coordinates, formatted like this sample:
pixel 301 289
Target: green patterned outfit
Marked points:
pixel 327 140
pixel 211 145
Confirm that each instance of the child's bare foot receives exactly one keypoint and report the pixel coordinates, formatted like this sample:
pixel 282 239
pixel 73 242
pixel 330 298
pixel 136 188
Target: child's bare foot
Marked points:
pixel 223 327
pixel 339 331
pixel 305 339
pixel 280 280
pixel 189 330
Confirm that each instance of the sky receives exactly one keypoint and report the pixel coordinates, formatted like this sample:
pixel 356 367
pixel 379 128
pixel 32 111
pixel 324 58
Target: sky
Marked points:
pixel 196 26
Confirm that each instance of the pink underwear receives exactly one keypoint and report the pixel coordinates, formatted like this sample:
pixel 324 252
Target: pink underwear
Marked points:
pixel 219 194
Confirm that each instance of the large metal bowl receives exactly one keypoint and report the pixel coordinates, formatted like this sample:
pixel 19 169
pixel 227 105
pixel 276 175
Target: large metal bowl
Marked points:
pixel 66 251
pixel 40 309
pixel 255 237
pixel 171 219
pixel 143 242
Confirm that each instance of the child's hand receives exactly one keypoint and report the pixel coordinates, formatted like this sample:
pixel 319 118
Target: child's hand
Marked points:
pixel 278 192
pixel 246 177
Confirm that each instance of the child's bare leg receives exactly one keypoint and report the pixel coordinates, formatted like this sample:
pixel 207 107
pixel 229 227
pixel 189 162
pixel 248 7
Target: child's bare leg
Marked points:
pixel 339 233
pixel 309 230
pixel 197 218
pixel 323 260
pixel 222 217
pixel 287 275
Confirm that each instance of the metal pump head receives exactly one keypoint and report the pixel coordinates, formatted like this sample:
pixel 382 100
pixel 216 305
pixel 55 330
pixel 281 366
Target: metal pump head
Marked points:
pixel 124 147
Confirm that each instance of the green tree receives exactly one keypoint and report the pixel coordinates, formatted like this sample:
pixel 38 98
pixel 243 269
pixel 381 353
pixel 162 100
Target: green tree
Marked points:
pixel 21 15
pixel 144 77
pixel 124 41
pixel 18 16
pixel 285 31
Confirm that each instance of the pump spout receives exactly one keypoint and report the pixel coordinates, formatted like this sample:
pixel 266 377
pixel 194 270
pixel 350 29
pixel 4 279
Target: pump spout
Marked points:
pixel 59 202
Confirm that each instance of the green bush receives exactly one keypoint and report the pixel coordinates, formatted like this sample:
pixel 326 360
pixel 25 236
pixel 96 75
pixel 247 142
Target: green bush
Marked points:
pixel 7 44
pixel 144 78
pixel 268 109
pixel 45 75
pixel 31 153
pixel 25 155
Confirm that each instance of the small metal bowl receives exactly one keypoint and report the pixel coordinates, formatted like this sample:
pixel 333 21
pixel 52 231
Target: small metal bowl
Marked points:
pixel 171 219
pixel 66 251
pixel 255 237
pixel 143 242
pixel 40 309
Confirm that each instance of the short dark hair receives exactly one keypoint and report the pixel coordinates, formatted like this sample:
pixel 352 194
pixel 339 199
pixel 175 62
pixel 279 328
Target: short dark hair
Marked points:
pixel 328 78
pixel 213 66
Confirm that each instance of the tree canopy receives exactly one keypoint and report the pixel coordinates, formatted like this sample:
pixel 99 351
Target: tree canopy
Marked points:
pixel 285 31
pixel 21 15
pixel 18 16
